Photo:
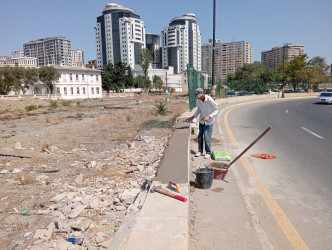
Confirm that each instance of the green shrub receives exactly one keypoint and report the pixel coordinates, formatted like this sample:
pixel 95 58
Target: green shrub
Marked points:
pixel 31 107
pixel 161 108
pixel 128 118
pixel 78 103
pixel 79 115
pixel 53 104
pixel 65 103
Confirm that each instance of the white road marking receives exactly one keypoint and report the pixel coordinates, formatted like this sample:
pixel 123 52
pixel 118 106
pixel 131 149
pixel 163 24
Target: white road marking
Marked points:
pixel 297 104
pixel 287 111
pixel 312 133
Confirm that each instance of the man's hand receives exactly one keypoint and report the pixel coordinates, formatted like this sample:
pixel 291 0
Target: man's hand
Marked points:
pixel 190 118
pixel 206 118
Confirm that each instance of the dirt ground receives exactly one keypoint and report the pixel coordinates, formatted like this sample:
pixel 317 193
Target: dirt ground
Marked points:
pixel 67 132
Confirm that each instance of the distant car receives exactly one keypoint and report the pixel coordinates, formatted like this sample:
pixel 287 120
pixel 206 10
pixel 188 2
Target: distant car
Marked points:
pixel 325 97
pixel 271 91
pixel 243 93
pixel 231 94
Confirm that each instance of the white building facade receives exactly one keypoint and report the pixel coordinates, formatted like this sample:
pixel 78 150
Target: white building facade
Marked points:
pixel 77 58
pixel 181 44
pixel 78 83
pixel 24 62
pixel 17 54
pixel 120 36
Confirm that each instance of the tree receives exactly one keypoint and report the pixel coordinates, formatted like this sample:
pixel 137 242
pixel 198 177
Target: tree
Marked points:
pixel 142 82
pixel 319 62
pixel 130 78
pixel 116 77
pixel 157 82
pixel 30 76
pixel 254 77
pixel 144 60
pixel 106 77
pixel 48 74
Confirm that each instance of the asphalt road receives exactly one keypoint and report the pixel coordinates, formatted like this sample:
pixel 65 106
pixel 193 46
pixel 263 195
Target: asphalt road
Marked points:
pixel 300 178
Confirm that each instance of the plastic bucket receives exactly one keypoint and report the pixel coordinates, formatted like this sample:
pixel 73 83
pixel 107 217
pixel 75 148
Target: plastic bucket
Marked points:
pixel 204 178
pixel 219 173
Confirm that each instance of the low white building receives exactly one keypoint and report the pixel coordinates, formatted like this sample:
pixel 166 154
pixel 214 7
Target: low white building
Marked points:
pixel 78 83
pixel 172 82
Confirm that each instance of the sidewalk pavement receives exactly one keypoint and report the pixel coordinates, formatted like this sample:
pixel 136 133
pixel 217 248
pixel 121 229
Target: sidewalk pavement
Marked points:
pixel 162 223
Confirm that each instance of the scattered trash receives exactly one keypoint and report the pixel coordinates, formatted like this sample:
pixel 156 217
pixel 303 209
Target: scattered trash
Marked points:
pixel 112 233
pixel 264 156
pixel 25 212
pixel 76 241
pixel 221 156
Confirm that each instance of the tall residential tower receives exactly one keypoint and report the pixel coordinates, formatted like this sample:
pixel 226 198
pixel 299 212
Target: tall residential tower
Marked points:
pixel 120 36
pixel 49 51
pixel 181 43
pixel 277 55
pixel 234 55
pixel 207 58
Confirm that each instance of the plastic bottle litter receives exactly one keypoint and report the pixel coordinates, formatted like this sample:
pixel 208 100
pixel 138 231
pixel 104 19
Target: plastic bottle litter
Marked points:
pixel 77 241
pixel 25 212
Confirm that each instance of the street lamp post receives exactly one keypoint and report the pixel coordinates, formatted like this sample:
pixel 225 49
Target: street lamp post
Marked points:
pixel 213 88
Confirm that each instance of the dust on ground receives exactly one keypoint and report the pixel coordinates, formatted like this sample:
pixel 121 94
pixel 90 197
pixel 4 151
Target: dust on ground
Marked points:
pixel 75 134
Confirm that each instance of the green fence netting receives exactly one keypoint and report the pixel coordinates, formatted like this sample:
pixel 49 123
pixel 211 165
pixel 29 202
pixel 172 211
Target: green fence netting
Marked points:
pixel 195 80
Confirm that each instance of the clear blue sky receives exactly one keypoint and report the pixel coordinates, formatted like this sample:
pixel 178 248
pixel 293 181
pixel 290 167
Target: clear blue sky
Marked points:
pixel 263 23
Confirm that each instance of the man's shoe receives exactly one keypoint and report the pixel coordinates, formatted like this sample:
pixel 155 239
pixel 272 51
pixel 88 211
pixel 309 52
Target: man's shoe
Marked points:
pixel 198 154
pixel 207 156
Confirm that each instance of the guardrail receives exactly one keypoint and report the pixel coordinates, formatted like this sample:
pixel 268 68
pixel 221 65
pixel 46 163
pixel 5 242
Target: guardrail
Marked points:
pixel 249 98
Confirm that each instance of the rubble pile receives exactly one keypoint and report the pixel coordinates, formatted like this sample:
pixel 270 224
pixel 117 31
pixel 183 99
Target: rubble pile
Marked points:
pixel 104 187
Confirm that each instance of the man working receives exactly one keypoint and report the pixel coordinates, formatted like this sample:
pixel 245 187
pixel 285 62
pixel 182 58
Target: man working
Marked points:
pixel 207 108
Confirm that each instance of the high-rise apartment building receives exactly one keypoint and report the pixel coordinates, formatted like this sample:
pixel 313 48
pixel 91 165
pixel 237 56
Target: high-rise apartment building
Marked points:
pixel 77 58
pixel 49 51
pixel 234 55
pixel 207 58
pixel 153 45
pixel 181 44
pixel 120 36
pixel 17 54
pixel 277 55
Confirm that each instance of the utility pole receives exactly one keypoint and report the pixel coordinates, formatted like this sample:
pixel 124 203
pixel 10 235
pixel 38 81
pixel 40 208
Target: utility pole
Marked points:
pixel 213 88
pixel 283 74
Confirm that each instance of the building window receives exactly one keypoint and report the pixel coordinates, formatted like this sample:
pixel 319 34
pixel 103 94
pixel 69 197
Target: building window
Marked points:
pixel 58 90
pixel 70 77
pixel 78 90
pixel 71 90
pixel 92 90
pixel 65 90
pixel 76 77
pixel 97 90
pixel 83 77
pixel 97 78
pixel 83 90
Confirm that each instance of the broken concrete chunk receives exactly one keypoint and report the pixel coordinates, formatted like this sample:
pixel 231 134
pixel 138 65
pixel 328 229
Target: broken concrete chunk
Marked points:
pixel 40 234
pixel 58 198
pixel 76 211
pixel 18 145
pixel 16 171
